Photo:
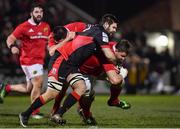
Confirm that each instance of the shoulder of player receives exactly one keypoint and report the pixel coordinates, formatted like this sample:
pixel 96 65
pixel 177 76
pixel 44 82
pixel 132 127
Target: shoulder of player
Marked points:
pixel 112 43
pixel 44 23
pixel 99 29
pixel 23 24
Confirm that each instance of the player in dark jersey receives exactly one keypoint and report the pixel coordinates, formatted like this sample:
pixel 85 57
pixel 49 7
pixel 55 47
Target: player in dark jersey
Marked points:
pixel 93 67
pixel 65 65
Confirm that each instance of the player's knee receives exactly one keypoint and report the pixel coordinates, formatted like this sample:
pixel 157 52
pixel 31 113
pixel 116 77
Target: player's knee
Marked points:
pixel 81 89
pixel 50 94
pixel 90 93
pixel 78 83
pixel 29 89
pixel 37 81
pixel 88 98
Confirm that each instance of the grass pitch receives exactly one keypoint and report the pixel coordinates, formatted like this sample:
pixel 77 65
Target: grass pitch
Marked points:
pixel 146 112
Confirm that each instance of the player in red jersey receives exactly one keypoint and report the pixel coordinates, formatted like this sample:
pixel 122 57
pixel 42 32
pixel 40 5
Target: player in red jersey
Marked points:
pixel 70 29
pixel 65 63
pixel 33 35
pixel 92 67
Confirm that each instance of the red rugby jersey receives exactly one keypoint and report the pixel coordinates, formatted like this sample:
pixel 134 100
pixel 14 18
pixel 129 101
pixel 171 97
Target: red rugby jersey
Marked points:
pixel 33 42
pixel 75 27
pixel 94 66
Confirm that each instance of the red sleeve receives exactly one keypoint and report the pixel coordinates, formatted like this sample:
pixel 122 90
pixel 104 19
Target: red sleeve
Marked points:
pixel 106 64
pixel 18 32
pixel 49 30
pixel 51 41
pixel 105 46
pixel 108 67
pixel 76 26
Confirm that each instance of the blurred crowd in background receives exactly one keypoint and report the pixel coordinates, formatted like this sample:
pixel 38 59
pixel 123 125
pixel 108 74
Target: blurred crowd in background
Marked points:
pixel 149 71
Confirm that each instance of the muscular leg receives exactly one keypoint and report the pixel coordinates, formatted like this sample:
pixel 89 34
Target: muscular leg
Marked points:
pixel 52 91
pixel 35 93
pixel 41 100
pixel 7 88
pixel 73 97
pixel 37 86
pixel 115 91
pixel 23 88
pixel 58 100
pixel 79 87
pixel 84 108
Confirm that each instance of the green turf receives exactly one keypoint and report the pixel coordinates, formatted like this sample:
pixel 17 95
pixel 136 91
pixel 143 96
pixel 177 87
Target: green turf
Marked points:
pixel 146 112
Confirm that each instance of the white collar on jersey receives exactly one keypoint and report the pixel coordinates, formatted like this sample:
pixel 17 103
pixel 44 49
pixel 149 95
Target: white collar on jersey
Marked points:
pixel 114 47
pixel 32 22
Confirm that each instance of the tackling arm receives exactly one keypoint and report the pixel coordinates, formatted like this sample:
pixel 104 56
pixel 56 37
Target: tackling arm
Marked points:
pixel 69 36
pixel 109 55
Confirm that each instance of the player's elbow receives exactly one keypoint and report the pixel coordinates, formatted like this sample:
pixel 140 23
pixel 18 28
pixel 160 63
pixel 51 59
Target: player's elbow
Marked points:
pixel 10 40
pixel 51 53
pixel 109 55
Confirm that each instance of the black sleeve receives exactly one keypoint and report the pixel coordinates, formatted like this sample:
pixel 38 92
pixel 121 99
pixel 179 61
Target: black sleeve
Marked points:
pixel 101 38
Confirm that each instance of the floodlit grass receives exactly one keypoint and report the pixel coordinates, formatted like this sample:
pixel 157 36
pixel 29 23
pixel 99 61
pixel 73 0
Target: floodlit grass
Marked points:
pixel 146 112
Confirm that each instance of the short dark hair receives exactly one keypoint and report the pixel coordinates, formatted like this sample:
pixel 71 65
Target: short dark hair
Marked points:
pixel 59 32
pixel 109 18
pixel 35 5
pixel 123 46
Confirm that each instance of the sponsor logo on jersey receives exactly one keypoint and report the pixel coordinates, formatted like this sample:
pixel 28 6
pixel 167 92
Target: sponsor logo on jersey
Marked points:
pixel 45 29
pixel 105 37
pixel 87 27
pixel 38 37
pixel 39 33
pixel 31 30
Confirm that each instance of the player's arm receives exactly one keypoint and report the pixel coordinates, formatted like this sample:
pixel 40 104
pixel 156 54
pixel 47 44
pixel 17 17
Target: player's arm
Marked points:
pixel 114 74
pixel 11 40
pixel 116 78
pixel 52 49
pixel 103 40
pixel 109 55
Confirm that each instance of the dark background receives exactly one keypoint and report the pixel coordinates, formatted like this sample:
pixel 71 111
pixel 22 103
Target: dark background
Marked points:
pixel 123 9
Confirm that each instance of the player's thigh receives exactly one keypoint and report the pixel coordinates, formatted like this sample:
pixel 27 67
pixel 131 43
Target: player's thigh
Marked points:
pixel 77 82
pixel 33 71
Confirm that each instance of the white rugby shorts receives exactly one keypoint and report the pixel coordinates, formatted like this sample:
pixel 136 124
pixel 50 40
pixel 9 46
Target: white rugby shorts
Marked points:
pixel 32 71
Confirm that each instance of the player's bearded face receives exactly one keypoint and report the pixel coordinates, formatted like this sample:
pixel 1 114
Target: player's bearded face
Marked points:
pixel 112 28
pixel 37 15
pixel 120 56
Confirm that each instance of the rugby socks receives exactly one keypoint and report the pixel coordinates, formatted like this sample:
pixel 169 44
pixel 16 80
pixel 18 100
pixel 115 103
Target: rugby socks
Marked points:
pixel 85 103
pixel 115 92
pixel 71 99
pixel 8 88
pixel 36 111
pixel 58 100
pixel 86 107
pixel 35 105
